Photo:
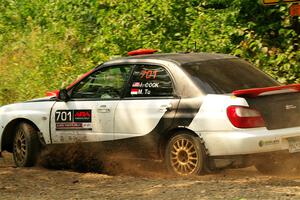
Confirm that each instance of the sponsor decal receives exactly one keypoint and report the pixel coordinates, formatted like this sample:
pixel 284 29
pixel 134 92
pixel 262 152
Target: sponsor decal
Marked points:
pixel 67 125
pixel 289 107
pixel 82 116
pixel 262 143
pixel 73 119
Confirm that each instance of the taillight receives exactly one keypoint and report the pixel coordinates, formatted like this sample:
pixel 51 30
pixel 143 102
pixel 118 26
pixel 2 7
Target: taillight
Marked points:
pixel 244 117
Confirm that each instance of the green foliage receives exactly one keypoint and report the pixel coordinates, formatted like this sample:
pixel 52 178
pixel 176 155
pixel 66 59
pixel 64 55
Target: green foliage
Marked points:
pixel 268 40
pixel 46 44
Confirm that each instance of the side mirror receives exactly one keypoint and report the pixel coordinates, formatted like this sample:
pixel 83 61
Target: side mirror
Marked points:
pixel 63 95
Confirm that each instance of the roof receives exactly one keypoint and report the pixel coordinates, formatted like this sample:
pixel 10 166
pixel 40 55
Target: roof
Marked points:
pixel 181 58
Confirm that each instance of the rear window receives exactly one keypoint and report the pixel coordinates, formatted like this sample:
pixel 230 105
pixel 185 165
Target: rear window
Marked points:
pixel 225 76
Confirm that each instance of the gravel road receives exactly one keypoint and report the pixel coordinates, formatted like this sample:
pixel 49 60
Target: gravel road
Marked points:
pixel 41 183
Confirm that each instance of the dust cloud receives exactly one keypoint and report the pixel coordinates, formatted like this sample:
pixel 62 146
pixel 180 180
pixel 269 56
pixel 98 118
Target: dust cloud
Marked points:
pixel 94 158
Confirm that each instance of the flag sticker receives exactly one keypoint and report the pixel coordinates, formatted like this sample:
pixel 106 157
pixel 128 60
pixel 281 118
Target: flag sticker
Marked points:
pixel 134 91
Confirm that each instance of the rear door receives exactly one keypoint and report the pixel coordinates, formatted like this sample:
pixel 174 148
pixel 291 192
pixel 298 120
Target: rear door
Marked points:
pixel 149 105
pixel 89 115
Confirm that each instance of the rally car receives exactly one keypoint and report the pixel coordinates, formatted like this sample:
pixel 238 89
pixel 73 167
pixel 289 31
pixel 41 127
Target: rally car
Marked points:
pixel 195 111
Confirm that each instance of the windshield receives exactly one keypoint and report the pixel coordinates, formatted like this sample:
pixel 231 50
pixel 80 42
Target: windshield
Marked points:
pixel 227 75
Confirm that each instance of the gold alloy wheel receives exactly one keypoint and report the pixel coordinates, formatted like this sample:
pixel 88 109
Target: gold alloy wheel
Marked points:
pixel 20 146
pixel 184 156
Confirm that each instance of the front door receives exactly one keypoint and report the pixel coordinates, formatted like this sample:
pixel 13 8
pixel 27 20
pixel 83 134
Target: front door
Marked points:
pixel 89 114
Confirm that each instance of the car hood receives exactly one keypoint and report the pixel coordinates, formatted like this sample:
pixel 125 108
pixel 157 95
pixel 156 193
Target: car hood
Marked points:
pixel 49 98
pixel 22 104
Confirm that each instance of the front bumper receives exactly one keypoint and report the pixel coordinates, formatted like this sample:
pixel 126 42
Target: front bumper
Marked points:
pixel 248 141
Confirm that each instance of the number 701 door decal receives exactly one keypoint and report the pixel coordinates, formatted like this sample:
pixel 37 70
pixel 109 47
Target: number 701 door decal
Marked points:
pixel 73 119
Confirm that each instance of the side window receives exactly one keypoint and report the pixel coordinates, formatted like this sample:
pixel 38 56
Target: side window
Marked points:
pixel 150 81
pixel 107 83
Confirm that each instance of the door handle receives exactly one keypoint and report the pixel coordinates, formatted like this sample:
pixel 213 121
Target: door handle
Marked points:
pixel 164 108
pixel 103 109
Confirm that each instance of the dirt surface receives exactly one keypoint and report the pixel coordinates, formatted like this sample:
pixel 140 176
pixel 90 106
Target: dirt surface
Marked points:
pixel 41 183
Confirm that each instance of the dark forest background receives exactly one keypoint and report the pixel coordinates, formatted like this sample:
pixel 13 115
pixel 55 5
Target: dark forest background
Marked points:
pixel 46 44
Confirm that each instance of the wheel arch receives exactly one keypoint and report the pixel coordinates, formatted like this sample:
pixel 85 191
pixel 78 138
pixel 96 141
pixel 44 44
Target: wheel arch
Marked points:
pixel 9 133
pixel 167 136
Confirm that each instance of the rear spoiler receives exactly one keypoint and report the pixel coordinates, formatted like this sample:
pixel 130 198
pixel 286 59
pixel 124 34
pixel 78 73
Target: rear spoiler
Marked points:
pixel 254 92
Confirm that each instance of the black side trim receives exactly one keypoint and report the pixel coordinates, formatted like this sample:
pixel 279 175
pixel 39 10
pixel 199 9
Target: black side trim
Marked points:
pixel 148 146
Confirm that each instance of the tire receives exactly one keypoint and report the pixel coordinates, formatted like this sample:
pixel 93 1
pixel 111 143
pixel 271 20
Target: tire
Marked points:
pixel 26 145
pixel 185 155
